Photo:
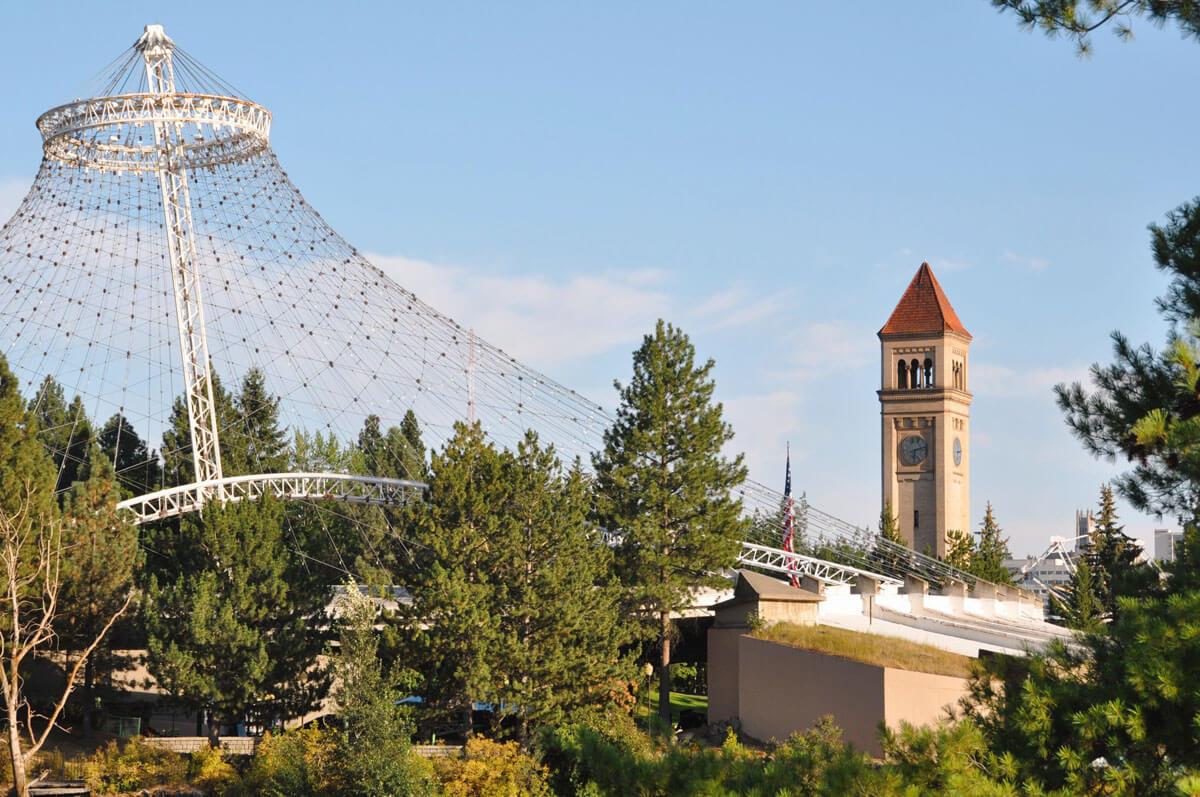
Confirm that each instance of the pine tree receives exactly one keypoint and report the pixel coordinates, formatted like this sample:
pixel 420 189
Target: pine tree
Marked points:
pixel 32 548
pixel 252 441
pixel 97 567
pixel 1112 558
pixel 960 550
pixel 231 628
pixel 66 431
pixel 1082 609
pixel 452 628
pixel 991 550
pixel 560 630
pixel 137 467
pixel 178 468
pixel 375 730
pixel 409 448
pixel 889 524
pixel 664 485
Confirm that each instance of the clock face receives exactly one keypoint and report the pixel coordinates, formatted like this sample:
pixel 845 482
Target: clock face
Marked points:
pixel 913 449
pixel 957 451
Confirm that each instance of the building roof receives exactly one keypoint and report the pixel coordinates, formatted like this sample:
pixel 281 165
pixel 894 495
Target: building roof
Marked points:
pixel 752 586
pixel 923 308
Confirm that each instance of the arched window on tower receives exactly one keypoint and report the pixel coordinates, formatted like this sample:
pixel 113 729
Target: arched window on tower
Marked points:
pixel 914 370
pixel 928 382
pixel 902 376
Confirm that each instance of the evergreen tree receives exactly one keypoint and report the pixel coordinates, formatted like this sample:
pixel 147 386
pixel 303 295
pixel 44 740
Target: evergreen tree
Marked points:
pixel 32 547
pixel 137 468
pixel 561 630
pixel 889 524
pixel 178 468
pixel 370 443
pixel 97 568
pixel 65 430
pixel 1112 559
pixel 231 629
pixel 375 730
pixel 889 554
pixel 410 448
pixel 987 560
pixel 960 550
pixel 1082 609
pixel 663 483
pixel 252 441
pixel 1143 407
pixel 1078 19
pixel 452 626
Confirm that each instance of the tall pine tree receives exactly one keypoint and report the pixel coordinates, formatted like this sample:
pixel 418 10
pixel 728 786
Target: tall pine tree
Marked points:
pixel 987 560
pixel 137 467
pixel 665 486
pixel 98 567
pixel 453 626
pixel 561 629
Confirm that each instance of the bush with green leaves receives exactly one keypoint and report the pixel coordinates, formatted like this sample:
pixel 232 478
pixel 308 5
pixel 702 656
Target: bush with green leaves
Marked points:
pixel 134 765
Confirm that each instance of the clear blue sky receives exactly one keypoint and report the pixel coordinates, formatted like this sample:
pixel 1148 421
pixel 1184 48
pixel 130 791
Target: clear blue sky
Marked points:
pixel 767 176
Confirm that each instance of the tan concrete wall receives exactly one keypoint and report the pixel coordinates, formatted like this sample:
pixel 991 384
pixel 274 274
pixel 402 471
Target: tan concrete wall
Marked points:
pixel 919 698
pixel 783 690
pixel 723 673
pixel 801 613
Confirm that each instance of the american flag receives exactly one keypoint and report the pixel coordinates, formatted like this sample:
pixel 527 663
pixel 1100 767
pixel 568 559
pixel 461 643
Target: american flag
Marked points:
pixel 789 519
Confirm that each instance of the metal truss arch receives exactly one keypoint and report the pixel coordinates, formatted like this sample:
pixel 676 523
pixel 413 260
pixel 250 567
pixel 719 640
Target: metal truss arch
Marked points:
pixel 343 487
pixel 780 561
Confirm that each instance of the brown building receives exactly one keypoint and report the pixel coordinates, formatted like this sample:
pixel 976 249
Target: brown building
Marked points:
pixel 925 408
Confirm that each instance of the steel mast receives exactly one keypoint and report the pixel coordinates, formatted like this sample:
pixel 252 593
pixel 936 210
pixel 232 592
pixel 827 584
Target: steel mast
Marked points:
pixel 156 48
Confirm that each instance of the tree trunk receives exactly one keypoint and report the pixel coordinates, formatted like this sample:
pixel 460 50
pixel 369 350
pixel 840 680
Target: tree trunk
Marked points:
pixel 664 673
pixel 20 779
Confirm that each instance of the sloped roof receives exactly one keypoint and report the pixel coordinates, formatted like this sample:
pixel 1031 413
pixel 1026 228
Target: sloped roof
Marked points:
pixel 752 586
pixel 923 308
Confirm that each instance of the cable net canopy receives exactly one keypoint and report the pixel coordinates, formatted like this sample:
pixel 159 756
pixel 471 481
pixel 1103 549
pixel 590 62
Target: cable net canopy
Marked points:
pixel 162 245
pixel 89 299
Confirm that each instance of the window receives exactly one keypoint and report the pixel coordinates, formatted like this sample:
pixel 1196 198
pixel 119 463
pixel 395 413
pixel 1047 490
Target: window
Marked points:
pixel 902 375
pixel 928 382
pixel 916 518
pixel 915 371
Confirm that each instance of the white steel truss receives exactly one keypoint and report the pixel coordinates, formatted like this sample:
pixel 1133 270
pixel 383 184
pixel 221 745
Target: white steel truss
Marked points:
pixel 156 48
pixel 782 561
pixel 289 486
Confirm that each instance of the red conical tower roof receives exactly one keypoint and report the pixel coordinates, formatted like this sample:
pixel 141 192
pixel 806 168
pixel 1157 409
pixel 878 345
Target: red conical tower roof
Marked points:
pixel 923 308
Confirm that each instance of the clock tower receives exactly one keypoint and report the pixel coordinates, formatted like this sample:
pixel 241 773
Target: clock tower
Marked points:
pixel 925 408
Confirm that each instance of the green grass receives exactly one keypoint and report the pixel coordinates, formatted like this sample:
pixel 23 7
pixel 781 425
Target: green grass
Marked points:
pixel 868 648
pixel 679 702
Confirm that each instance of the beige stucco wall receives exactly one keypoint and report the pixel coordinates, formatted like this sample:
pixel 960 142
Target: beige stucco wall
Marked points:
pixel 782 690
pixel 723 673
pixel 798 612
pixel 919 698
pixel 779 690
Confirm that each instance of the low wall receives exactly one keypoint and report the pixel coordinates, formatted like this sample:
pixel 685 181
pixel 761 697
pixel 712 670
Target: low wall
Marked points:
pixel 779 690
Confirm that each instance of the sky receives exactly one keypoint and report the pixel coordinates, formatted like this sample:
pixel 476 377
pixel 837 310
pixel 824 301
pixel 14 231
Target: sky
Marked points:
pixel 767 176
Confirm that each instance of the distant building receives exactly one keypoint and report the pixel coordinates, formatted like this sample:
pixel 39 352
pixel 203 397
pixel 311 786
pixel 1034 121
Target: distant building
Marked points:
pixel 1165 541
pixel 1085 528
pixel 1041 573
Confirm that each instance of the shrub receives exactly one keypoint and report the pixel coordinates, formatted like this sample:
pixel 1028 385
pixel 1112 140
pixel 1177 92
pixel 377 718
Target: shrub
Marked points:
pixel 491 769
pixel 209 770
pixel 303 763
pixel 135 765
